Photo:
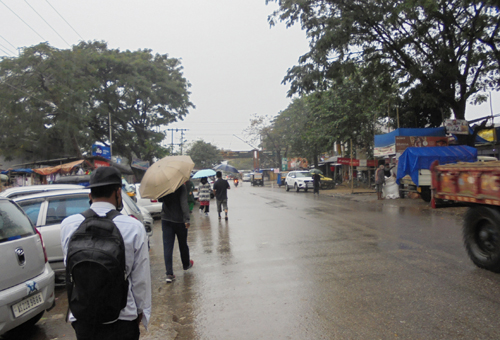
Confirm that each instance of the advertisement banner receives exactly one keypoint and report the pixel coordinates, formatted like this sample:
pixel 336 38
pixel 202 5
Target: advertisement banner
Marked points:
pixel 403 142
pixel 297 163
pixel 384 151
pixel 456 126
pixel 101 150
pixel 138 164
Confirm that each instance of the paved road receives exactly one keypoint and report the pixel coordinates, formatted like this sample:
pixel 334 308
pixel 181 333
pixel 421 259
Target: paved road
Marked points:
pixel 291 265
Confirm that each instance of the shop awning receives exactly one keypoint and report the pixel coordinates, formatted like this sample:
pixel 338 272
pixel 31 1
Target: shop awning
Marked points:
pixel 63 168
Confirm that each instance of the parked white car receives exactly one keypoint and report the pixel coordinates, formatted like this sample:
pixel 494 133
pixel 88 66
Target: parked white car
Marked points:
pixel 35 189
pixel 153 206
pixel 299 180
pixel 48 209
pixel 27 280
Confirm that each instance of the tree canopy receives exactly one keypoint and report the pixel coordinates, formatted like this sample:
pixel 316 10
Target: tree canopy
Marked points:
pixel 56 103
pixel 440 53
pixel 204 155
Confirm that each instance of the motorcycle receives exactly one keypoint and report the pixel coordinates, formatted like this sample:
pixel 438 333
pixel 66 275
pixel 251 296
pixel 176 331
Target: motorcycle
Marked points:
pixel 236 182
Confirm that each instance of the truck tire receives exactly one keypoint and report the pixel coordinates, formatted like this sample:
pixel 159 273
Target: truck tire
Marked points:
pixel 426 194
pixel 481 234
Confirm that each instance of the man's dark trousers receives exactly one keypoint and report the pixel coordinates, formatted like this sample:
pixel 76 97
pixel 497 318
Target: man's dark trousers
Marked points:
pixel 119 330
pixel 170 230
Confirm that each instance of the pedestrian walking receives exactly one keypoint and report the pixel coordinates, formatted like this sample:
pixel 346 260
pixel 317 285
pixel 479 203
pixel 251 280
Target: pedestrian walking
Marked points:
pixel 379 180
pixel 316 182
pixel 204 191
pixel 99 246
pixel 191 199
pixel 175 222
pixel 220 190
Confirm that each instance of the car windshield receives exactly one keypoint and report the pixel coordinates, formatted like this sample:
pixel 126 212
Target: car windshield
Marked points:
pixel 13 222
pixel 304 174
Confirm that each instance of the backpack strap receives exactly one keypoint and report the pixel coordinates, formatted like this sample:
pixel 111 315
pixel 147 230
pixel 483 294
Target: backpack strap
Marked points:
pixel 91 213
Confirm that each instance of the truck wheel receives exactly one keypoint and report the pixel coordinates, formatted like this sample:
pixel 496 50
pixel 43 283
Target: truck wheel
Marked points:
pixel 481 233
pixel 426 194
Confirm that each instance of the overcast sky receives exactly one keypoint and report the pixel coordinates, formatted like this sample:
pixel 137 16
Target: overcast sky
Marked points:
pixel 234 61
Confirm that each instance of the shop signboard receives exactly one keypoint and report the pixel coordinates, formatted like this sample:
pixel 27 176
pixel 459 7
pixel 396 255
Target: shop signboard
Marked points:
pixel 284 164
pixel 403 142
pixel 357 162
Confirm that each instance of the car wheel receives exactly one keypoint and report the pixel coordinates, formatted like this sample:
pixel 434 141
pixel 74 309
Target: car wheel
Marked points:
pixel 287 187
pixel 296 187
pixel 481 233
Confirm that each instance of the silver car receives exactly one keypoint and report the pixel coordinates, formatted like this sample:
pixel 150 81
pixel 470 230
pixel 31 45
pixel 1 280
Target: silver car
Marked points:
pixel 48 209
pixel 27 281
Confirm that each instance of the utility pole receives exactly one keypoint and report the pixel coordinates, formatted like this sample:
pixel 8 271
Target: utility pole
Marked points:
pixel 182 138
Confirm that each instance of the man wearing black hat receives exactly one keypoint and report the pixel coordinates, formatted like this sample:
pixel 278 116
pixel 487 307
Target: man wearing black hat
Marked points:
pixel 106 195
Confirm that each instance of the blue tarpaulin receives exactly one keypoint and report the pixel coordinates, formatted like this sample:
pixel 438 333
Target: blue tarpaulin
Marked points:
pixel 5 172
pixel 414 158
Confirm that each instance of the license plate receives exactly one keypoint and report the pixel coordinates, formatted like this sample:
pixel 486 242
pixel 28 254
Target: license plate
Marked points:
pixel 27 304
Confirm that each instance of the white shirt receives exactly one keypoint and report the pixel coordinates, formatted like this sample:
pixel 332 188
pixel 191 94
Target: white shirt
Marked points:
pixel 136 259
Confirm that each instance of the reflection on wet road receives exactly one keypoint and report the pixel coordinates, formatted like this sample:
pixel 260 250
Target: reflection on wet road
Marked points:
pixel 290 265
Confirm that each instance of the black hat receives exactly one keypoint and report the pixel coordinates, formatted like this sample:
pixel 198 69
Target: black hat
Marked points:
pixel 105 175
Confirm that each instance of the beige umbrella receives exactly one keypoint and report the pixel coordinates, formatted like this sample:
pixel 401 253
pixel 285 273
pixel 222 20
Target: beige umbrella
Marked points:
pixel 166 176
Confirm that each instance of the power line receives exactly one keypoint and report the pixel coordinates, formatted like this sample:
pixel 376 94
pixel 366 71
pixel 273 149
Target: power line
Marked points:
pixel 47 23
pixel 8 42
pixel 6 49
pixel 22 20
pixel 64 19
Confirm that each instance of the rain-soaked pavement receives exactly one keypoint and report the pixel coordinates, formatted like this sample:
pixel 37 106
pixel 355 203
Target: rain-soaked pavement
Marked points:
pixel 291 265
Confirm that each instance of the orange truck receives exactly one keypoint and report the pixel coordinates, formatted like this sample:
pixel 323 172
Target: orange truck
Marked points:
pixel 478 185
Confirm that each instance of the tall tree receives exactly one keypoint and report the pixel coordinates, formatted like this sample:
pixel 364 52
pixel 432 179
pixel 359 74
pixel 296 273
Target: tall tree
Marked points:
pixel 65 99
pixel 446 49
pixel 204 155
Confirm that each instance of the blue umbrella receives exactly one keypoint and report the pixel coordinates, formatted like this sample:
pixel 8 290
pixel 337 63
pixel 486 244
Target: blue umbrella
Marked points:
pixel 226 167
pixel 204 173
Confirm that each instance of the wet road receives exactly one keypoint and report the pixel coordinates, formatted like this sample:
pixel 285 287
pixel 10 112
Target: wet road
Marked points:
pixel 290 265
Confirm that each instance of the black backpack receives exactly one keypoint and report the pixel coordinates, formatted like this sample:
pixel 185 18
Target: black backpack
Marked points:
pixel 96 278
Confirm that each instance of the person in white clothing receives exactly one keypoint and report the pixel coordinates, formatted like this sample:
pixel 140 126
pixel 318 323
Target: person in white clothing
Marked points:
pixel 105 185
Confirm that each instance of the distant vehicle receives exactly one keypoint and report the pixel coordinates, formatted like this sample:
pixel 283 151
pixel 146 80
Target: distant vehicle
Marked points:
pixel 299 180
pixel 152 205
pixel 47 210
pixel 257 178
pixel 27 280
pixel 246 177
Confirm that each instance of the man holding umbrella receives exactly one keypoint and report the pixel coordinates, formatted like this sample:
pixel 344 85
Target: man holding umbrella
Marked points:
pixel 175 222
pixel 164 181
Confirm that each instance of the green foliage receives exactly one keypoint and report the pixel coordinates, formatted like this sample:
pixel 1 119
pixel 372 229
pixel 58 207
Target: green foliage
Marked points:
pixel 64 99
pixel 204 155
pixel 444 51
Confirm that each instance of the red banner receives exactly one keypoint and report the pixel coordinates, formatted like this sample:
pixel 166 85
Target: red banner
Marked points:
pixel 99 164
pixel 357 162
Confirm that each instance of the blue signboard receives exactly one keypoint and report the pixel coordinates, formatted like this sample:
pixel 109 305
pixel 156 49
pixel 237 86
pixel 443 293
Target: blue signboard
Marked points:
pixel 101 150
